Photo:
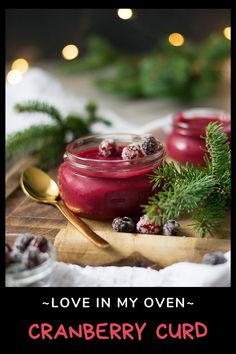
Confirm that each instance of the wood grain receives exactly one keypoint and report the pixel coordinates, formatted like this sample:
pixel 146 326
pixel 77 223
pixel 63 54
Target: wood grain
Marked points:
pixel 125 248
pixel 12 178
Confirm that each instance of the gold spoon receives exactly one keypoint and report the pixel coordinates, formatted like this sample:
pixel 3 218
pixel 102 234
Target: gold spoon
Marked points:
pixel 40 187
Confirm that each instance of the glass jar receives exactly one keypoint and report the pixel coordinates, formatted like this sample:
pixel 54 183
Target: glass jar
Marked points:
pixel 100 188
pixel 39 276
pixel 184 142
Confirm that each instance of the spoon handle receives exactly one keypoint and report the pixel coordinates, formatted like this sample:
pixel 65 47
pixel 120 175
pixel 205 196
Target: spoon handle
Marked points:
pixel 82 227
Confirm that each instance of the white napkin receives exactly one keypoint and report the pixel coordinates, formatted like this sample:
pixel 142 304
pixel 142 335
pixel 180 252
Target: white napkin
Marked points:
pixel 39 85
pixel 178 274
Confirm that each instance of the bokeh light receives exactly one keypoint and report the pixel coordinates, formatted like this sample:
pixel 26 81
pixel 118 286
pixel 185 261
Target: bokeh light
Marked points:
pixel 21 65
pixel 70 52
pixel 176 39
pixel 125 14
pixel 14 76
pixel 227 33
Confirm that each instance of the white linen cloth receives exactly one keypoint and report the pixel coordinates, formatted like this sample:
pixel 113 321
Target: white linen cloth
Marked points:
pixel 182 274
pixel 39 85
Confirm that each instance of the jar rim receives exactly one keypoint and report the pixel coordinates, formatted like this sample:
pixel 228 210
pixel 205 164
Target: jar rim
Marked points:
pixel 188 119
pixel 205 112
pixel 78 160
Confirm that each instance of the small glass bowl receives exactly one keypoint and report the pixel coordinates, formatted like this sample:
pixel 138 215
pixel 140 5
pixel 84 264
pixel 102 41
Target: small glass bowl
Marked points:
pixel 39 276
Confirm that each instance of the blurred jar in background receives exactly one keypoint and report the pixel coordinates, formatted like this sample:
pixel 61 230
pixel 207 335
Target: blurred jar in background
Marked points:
pixel 184 143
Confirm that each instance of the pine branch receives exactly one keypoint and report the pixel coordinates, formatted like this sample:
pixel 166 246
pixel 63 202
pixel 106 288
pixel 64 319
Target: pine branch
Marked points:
pixel 91 109
pixel 29 139
pixel 51 153
pixel 203 192
pixel 171 175
pixel 182 197
pixel 42 107
pixel 209 217
pixel 49 140
pixel 218 148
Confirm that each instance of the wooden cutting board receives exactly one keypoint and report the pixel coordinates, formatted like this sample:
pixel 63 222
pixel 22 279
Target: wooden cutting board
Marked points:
pixel 24 215
pixel 133 249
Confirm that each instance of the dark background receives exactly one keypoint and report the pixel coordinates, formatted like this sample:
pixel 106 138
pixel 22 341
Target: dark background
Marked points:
pixel 212 306
pixel 42 33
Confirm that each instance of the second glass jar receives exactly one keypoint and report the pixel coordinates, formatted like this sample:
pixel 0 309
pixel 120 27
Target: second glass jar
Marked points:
pixel 184 143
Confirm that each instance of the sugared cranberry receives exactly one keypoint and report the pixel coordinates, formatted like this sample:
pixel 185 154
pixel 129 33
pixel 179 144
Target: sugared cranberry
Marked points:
pixel 170 228
pixel 150 145
pixel 40 242
pixel 214 258
pixel 33 257
pixel 145 226
pixel 131 152
pixel 16 255
pixel 22 242
pixel 27 252
pixel 107 148
pixel 124 224
pixel 7 254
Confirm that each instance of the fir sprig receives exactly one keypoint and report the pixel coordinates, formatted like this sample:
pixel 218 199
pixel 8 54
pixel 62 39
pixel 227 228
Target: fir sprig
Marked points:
pixel 42 107
pixel 220 158
pixel 204 192
pixel 49 141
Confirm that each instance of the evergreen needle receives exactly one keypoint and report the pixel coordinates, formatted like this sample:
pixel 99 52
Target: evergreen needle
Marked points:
pixel 203 192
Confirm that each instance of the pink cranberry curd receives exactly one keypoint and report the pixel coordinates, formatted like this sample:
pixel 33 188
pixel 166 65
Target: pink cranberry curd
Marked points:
pixel 103 188
pixel 184 142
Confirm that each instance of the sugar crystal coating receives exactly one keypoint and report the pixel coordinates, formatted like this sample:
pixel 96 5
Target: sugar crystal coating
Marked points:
pixel 145 226
pixel 170 228
pixel 123 224
pixel 33 257
pixel 150 145
pixel 107 147
pixel 131 152
pixel 22 242
pixel 27 252
pixel 40 242
pixel 214 258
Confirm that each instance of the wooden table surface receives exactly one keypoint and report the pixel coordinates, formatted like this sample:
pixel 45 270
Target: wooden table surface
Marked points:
pixel 24 215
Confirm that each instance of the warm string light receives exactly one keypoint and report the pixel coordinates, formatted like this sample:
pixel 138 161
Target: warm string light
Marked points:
pixel 14 76
pixel 20 64
pixel 176 39
pixel 125 14
pixel 227 33
pixel 18 68
pixel 70 52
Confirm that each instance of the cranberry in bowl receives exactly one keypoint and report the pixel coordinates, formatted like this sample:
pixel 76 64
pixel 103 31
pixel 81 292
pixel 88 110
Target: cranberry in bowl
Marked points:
pixel 184 143
pixel 29 262
pixel 107 175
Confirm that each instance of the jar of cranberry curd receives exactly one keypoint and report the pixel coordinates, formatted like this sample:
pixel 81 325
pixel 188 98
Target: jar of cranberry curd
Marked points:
pixel 103 188
pixel 184 142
